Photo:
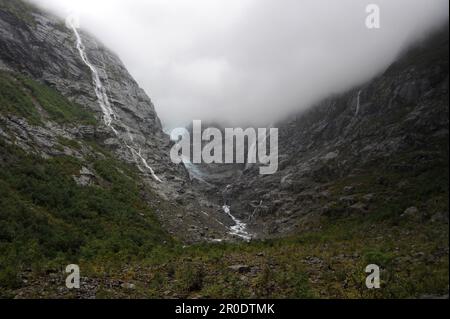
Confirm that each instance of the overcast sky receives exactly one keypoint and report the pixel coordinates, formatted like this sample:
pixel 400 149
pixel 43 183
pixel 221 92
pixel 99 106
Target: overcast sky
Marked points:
pixel 250 61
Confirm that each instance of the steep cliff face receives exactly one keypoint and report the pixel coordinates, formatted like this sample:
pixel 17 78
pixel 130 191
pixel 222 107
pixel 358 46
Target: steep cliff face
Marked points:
pixel 382 127
pixel 370 153
pixel 85 177
pixel 45 49
pixel 40 52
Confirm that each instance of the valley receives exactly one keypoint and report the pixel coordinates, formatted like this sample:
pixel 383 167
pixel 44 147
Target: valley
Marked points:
pixel 86 178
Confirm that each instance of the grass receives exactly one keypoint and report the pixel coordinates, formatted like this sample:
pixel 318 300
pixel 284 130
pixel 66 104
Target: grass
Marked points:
pixel 287 268
pixel 24 97
pixel 58 108
pixel 47 221
pixel 15 100
pixel 73 144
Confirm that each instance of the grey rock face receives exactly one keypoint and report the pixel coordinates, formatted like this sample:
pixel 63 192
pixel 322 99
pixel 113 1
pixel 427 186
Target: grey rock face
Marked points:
pixel 85 178
pixel 45 50
pixel 403 111
pixel 403 114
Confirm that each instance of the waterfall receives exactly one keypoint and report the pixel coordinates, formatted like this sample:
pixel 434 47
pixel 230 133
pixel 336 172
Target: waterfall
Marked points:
pixel 108 113
pixel 358 103
pixel 100 91
pixel 240 228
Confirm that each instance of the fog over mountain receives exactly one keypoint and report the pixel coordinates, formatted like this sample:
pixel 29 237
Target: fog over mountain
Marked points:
pixel 250 61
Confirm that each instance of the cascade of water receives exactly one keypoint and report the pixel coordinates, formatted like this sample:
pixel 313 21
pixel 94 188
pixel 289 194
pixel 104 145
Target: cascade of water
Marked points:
pixel 100 92
pixel 240 228
pixel 108 113
pixel 358 103
pixel 144 161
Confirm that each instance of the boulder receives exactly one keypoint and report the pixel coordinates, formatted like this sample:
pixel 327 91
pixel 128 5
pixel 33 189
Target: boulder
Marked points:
pixel 412 213
pixel 128 286
pixel 240 268
pixel 359 208
pixel 330 156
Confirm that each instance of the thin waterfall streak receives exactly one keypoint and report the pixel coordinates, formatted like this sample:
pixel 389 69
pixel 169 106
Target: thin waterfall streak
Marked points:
pixel 108 113
pixel 358 103
pixel 152 172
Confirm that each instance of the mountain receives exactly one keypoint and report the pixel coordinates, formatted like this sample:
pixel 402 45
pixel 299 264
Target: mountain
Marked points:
pixel 372 152
pixel 40 59
pixel 86 178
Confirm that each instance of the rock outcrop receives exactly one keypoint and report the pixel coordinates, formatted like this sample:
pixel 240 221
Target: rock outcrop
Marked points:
pixel 42 47
pixel 373 144
pixel 358 152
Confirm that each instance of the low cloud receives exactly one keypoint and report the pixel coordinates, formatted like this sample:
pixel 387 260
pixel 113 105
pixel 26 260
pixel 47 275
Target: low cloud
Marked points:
pixel 250 61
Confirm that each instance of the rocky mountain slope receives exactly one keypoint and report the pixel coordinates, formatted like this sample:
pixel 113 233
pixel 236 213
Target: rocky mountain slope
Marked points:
pixel 39 48
pixel 85 178
pixel 377 151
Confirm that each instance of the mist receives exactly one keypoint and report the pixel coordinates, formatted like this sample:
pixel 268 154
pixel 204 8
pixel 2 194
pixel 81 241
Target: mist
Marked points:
pixel 250 61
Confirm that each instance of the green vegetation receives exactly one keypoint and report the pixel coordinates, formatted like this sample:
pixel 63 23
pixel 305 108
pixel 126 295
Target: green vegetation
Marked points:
pixel 397 185
pixel 22 96
pixel 47 220
pixel 69 143
pixel 14 99
pixel 328 263
pixel 325 263
pixel 59 108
